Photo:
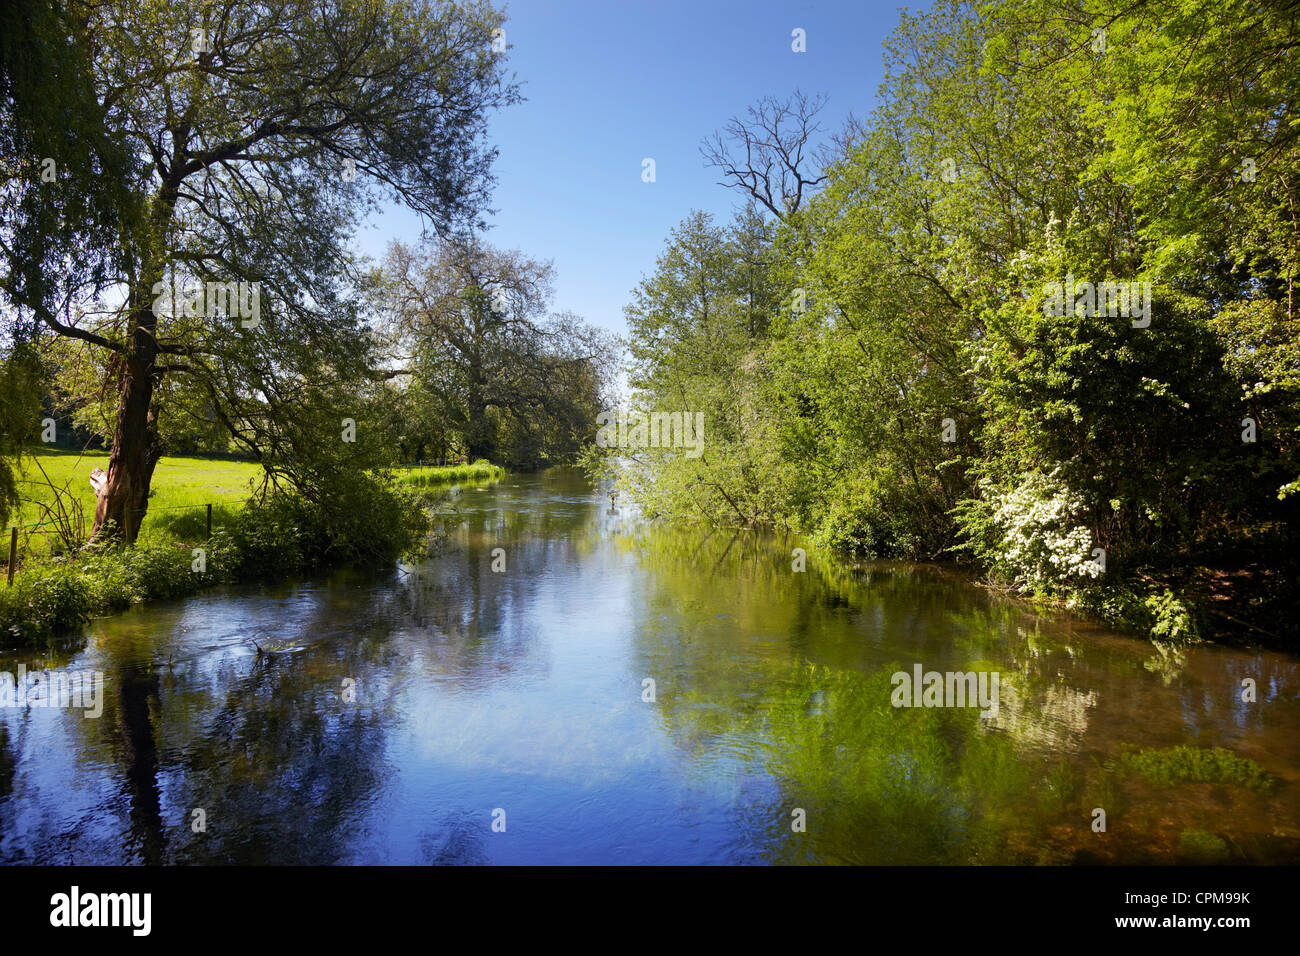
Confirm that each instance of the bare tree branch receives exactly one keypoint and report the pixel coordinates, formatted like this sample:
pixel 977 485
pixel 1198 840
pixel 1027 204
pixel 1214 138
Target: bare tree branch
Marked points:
pixel 768 153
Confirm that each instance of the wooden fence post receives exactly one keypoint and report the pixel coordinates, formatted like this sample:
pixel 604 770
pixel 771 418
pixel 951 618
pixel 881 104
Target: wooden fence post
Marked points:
pixel 209 521
pixel 13 555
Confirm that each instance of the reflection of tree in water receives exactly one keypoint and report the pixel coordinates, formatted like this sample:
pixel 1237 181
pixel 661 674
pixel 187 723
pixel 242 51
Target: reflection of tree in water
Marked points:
pixel 480 622
pixel 457 841
pixel 283 767
pixel 762 669
pixel 123 736
pixel 8 764
pixel 879 784
pixel 796 682
pixel 137 695
pixel 261 742
pixel 1055 718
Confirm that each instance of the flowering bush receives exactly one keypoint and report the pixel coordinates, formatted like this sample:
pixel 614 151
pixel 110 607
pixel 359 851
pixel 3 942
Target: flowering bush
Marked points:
pixel 1031 535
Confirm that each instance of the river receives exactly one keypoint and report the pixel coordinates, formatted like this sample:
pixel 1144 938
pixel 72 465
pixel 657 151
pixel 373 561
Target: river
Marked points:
pixel 603 690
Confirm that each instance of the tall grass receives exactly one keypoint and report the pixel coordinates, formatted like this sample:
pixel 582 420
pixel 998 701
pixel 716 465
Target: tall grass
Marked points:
pixel 429 475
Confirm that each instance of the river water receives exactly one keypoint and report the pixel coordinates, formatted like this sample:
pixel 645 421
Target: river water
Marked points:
pixel 496 706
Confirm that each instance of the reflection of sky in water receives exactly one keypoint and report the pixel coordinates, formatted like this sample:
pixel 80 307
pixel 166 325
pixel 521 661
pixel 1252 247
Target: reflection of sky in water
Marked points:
pixel 523 690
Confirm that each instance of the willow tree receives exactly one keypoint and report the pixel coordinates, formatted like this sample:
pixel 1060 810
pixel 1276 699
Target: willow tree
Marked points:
pixel 263 131
pixel 58 220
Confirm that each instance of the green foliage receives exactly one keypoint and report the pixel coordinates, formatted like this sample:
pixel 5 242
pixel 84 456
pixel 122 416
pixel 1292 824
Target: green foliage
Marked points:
pixel 283 533
pixel 1131 421
pixel 66 199
pixel 21 381
pixel 870 517
pixel 1184 764
pixel 911 391
pixel 36 606
pixel 279 534
pixel 1172 619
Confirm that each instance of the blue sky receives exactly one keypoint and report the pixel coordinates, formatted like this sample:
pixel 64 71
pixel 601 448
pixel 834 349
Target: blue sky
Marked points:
pixel 610 83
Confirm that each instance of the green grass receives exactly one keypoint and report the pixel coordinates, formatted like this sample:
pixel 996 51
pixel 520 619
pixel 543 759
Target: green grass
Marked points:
pixel 427 475
pixel 180 489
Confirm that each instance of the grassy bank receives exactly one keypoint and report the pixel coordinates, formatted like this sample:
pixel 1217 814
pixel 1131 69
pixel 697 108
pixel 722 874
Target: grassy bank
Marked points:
pixel 431 476
pixel 61 582
pixel 182 488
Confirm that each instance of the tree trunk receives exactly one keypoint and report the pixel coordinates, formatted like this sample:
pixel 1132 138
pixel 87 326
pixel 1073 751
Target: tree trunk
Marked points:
pixel 479 441
pixel 124 492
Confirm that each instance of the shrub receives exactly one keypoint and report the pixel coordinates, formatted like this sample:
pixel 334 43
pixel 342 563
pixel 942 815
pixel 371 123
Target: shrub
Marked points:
pixel 1172 618
pixel 40 605
pixel 876 518
pixel 1031 535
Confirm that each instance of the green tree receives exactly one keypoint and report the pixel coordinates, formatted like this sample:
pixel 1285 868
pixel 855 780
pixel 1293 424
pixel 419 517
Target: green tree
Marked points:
pixel 472 327
pixel 266 129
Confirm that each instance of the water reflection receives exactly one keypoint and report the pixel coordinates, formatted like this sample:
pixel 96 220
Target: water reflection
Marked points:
pixel 383 719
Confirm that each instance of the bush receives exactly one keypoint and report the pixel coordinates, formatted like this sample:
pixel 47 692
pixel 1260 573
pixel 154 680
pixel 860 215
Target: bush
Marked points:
pixel 367 522
pixel 38 606
pixel 1030 535
pixel 1172 619
pixel 871 523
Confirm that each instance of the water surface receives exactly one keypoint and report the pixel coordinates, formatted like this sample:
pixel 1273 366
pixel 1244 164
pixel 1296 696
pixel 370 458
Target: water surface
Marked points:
pixel 393 718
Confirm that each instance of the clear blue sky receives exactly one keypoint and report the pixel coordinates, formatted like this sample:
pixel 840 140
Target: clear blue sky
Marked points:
pixel 610 82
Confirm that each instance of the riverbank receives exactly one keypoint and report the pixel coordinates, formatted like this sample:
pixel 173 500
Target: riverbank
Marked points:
pixel 60 581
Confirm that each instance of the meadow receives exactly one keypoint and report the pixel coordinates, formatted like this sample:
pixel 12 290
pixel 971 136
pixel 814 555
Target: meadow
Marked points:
pixel 58 506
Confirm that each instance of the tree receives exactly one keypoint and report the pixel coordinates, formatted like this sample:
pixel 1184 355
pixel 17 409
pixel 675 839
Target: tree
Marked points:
pixel 698 338
pixel 265 129
pixel 472 327
pixel 66 200
pixel 768 154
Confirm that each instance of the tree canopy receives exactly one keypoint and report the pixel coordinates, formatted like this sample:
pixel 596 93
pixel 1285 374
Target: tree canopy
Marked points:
pixel 251 138
pixel 1037 308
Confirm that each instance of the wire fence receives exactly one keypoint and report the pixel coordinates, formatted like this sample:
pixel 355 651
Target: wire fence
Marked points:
pixel 135 511
pixel 60 526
